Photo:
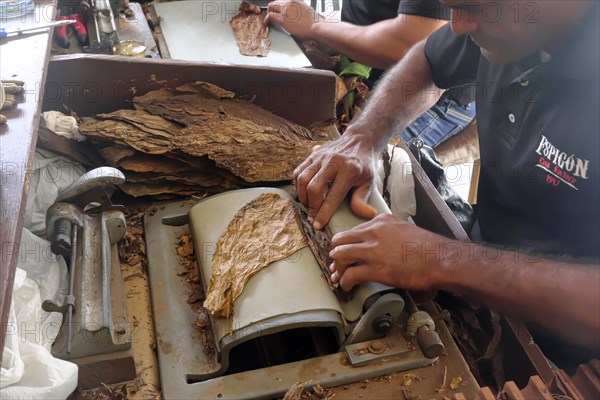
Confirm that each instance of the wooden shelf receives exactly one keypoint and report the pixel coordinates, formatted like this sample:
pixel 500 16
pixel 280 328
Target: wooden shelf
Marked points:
pixel 24 58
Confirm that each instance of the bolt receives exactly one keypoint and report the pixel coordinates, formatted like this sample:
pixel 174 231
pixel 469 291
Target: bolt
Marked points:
pixel 382 324
pixel 376 347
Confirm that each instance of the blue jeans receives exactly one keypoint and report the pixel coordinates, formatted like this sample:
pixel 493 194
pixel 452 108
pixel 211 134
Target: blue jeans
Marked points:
pixel 442 121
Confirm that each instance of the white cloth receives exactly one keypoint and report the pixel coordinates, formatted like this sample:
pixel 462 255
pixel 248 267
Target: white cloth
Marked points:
pixel 61 124
pixel 29 371
pixel 51 174
pixel 400 184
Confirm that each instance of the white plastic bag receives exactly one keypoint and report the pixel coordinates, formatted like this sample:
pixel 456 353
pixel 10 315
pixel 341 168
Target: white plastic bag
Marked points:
pixel 51 174
pixel 29 371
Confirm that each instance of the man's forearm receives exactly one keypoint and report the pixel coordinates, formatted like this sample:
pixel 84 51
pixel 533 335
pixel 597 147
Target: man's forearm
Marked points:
pixel 371 45
pixel 379 45
pixel 502 281
pixel 405 92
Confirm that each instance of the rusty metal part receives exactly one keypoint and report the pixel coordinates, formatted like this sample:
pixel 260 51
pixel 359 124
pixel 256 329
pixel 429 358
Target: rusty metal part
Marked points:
pixel 585 384
pixel 428 339
pixel 376 347
pixel 186 369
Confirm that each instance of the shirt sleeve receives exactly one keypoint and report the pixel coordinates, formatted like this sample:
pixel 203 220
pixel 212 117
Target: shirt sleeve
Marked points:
pixel 424 8
pixel 453 59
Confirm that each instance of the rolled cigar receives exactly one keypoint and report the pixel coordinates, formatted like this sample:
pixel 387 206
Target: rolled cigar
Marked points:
pixel 16 82
pixel 12 88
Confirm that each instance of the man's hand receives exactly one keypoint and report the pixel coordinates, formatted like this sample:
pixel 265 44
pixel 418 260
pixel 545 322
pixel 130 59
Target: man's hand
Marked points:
pixel 389 251
pixel 294 16
pixel 253 9
pixel 324 179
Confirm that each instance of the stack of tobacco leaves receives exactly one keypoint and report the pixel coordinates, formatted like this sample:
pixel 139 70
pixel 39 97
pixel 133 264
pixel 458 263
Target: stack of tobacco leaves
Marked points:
pixel 197 139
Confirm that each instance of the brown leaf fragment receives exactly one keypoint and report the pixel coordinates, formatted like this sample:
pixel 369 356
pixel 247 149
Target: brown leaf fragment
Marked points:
pixel 206 89
pixel 142 189
pixel 296 391
pixel 455 383
pixel 408 379
pixel 115 153
pixel 319 391
pixel 320 56
pixel 340 89
pixel 263 231
pixel 140 162
pixel 251 35
pixel 410 395
pixel 185 247
pixel 195 296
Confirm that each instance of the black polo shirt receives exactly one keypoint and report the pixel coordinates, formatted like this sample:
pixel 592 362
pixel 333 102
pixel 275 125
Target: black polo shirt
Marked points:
pixel 368 12
pixel 538 123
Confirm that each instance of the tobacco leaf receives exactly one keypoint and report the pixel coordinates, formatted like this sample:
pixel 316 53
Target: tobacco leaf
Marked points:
pixel 82 152
pixel 140 162
pixel 161 188
pixel 251 35
pixel 296 391
pixel 320 243
pixel 231 141
pixel 114 153
pixel 319 55
pixel 236 134
pixel 263 231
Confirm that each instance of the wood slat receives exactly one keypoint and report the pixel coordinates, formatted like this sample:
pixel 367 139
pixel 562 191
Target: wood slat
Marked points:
pixel 24 58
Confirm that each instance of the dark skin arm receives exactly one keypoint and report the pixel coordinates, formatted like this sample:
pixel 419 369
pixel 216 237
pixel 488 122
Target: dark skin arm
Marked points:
pixel 533 289
pixel 347 164
pixel 392 252
pixel 379 45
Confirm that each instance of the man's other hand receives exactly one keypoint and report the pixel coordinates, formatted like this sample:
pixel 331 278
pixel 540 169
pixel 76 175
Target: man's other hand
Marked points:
pixel 389 251
pixel 324 179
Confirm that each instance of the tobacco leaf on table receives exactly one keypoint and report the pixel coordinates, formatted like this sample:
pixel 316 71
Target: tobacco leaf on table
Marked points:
pixel 251 35
pixel 200 134
pixel 263 231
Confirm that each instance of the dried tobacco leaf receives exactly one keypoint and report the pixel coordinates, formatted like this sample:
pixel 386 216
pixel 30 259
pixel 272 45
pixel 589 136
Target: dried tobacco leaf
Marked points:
pixel 239 136
pixel 263 231
pixel 251 35
pixel 198 139
pixel 320 243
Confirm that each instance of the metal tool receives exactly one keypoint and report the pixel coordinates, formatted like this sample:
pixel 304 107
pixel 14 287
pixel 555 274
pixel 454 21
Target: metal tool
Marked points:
pixel 12 33
pixel 286 322
pixel 61 35
pixel 102 29
pixel 84 227
pixel 421 325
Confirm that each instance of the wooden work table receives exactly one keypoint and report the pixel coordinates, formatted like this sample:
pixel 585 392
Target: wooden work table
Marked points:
pixel 24 58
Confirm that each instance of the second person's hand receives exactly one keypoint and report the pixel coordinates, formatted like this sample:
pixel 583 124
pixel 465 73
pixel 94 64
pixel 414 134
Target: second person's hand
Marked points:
pixel 294 16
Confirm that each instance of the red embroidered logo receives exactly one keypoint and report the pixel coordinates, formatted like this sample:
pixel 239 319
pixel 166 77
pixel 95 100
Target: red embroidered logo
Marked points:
pixel 560 166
